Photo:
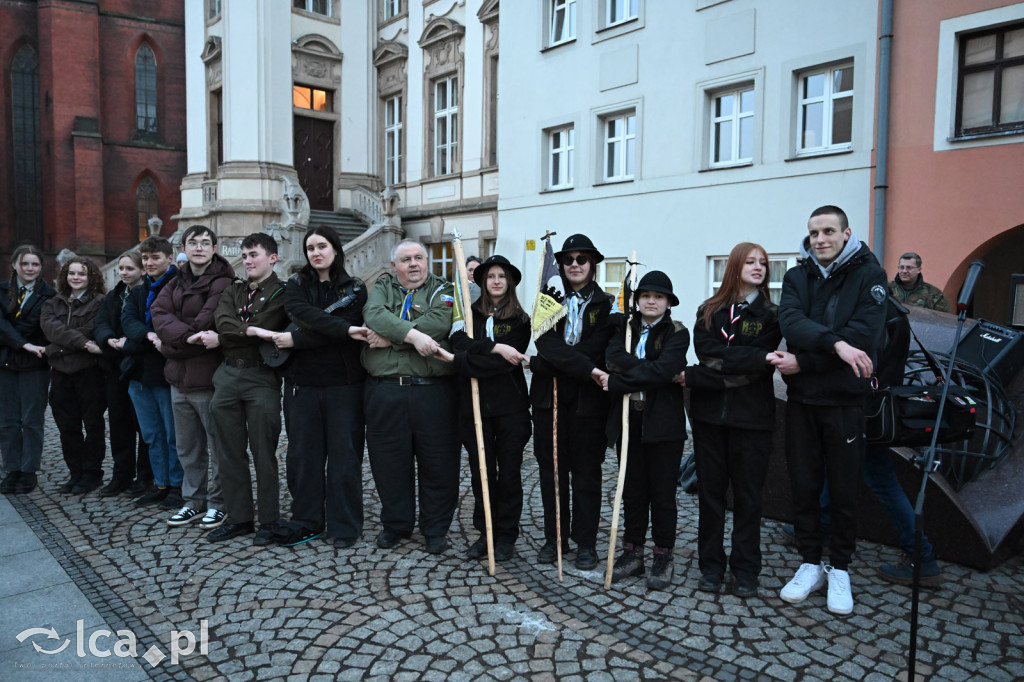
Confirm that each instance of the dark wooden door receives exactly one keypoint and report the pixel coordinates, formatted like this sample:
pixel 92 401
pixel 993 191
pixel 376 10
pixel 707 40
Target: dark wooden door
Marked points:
pixel 314 160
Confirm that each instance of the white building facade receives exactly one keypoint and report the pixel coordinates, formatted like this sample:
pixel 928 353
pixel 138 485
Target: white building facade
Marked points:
pixel 680 128
pixel 347 99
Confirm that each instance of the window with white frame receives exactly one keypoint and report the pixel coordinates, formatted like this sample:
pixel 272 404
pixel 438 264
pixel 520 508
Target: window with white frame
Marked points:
pixel 441 259
pixel 314 6
pixel 392 8
pixel 446 125
pixel 563 21
pixel 825 109
pixel 393 140
pixel 990 84
pixel 561 150
pixel 618 11
pixel 777 266
pixel 619 138
pixel 611 273
pixel 732 127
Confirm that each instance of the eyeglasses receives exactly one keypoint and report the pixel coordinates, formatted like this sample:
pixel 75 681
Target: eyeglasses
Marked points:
pixel 581 259
pixel 194 244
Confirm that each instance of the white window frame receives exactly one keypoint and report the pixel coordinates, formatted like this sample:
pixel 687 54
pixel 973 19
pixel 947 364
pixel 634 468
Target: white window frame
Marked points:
pixel 629 9
pixel 568 10
pixel 392 9
pixel 623 142
pixel 736 119
pixel 613 285
pixel 393 132
pixel 774 286
pixel 561 158
pixel 308 7
pixel 827 99
pixel 448 120
pixel 446 260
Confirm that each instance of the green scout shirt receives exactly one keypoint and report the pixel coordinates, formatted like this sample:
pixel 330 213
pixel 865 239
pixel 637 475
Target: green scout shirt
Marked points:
pixel 920 294
pixel 267 312
pixel 431 313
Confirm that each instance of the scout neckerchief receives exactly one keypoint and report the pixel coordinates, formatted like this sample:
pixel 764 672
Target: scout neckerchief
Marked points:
pixel 246 312
pixel 574 317
pixel 407 304
pixel 728 330
pixel 489 327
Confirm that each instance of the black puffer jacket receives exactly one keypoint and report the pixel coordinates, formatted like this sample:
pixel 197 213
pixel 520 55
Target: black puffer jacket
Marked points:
pixel 15 332
pixel 665 357
pixel 143 362
pixel 502 385
pixel 324 354
pixel 572 365
pixel 732 385
pixel 815 312
pixel 108 326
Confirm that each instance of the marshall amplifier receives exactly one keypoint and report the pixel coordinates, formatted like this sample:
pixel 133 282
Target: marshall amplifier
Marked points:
pixel 996 350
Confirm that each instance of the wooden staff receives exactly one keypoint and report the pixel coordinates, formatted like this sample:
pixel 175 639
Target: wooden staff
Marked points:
pixel 624 450
pixel 474 384
pixel 554 430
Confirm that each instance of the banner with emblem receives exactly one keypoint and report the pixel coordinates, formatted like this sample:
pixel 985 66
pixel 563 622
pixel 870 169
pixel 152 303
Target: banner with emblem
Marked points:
pixel 548 306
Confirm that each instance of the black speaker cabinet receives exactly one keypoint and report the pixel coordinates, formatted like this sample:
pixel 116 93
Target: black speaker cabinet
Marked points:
pixel 998 351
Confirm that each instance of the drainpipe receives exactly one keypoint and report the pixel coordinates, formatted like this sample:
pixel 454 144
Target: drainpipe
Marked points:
pixel 882 143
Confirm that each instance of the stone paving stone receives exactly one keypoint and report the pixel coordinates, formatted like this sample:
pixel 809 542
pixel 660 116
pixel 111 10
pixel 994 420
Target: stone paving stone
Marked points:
pixel 318 613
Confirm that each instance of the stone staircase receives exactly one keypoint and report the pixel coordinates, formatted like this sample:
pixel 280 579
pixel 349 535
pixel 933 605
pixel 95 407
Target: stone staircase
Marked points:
pixel 346 222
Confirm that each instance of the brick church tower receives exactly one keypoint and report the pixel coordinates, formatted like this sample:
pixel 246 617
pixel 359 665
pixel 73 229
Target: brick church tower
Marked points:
pixel 92 122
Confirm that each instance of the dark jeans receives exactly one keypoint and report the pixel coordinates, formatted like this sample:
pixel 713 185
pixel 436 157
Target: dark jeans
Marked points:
pixel 820 439
pixel 412 435
pixel 325 434
pixel 505 437
pixel 245 412
pixel 649 493
pixel 581 448
pixel 156 419
pixel 880 475
pixel 22 406
pixel 78 400
pixel 730 457
pixel 130 460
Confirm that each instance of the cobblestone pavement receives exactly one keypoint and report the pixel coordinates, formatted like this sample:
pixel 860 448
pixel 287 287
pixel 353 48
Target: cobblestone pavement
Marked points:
pixel 320 613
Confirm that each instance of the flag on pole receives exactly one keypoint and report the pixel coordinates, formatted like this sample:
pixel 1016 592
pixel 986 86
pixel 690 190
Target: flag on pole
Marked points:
pixel 623 297
pixel 458 313
pixel 548 307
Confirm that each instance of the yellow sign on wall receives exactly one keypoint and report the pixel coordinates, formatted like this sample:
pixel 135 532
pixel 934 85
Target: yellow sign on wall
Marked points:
pixel 531 244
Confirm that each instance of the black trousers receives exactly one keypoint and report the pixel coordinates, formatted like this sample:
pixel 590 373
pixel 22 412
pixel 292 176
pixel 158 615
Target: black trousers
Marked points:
pixel 78 400
pixel 413 437
pixel 325 458
pixel 819 439
pixel 505 437
pixel 739 458
pixel 649 493
pixel 127 448
pixel 581 448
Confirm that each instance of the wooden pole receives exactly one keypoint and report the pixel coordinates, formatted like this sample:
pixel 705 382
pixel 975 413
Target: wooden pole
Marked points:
pixel 554 423
pixel 624 449
pixel 474 384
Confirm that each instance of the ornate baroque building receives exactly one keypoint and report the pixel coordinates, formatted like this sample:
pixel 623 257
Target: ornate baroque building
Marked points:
pixel 92 115
pixel 347 101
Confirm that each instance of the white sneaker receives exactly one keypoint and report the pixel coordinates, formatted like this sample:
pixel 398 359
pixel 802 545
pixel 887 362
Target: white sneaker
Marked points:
pixel 214 518
pixel 184 516
pixel 809 578
pixel 840 599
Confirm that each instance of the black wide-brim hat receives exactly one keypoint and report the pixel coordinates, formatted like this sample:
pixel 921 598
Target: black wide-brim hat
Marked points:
pixel 657 281
pixel 579 242
pixel 480 274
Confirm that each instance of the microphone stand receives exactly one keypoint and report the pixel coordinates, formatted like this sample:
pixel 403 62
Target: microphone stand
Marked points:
pixel 928 463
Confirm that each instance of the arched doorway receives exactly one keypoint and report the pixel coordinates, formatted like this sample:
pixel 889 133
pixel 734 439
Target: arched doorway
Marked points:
pixel 1003 256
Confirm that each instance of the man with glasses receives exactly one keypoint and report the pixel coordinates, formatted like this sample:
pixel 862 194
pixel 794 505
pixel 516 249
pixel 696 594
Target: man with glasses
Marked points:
pixel 910 288
pixel 184 308
pixel 573 353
